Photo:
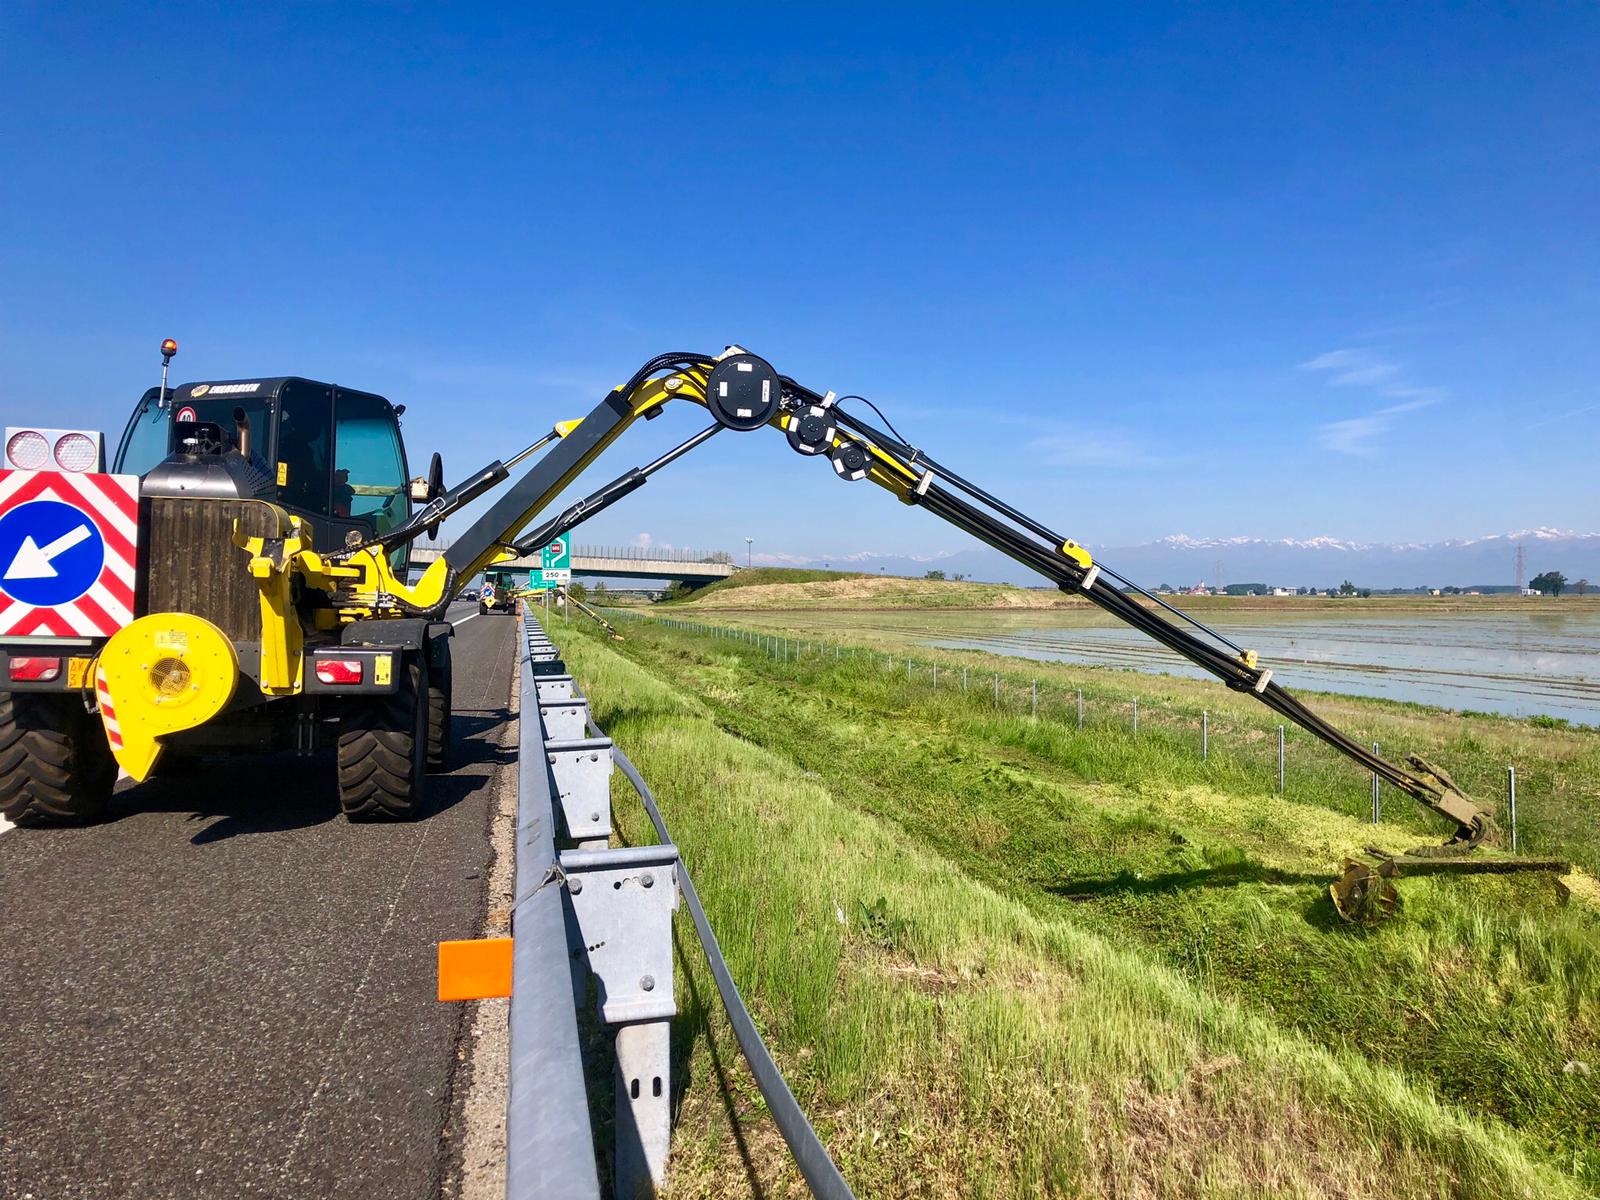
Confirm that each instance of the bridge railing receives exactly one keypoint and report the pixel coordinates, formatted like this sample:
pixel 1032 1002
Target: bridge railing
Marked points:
pixel 653 554
pixel 623 553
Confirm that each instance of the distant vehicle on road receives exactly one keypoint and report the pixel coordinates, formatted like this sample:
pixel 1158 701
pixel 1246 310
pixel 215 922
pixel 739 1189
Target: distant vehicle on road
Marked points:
pixel 496 595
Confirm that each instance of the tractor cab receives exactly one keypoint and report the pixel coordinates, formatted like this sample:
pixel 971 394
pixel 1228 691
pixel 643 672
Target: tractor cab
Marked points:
pixel 327 453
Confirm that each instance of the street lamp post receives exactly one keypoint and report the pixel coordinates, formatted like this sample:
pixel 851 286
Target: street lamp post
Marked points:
pixel 748 542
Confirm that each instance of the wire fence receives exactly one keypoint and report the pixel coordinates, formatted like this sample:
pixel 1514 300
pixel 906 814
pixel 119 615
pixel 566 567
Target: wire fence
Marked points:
pixel 1078 708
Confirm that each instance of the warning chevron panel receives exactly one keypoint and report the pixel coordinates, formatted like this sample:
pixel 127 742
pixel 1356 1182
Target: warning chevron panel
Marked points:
pixel 68 552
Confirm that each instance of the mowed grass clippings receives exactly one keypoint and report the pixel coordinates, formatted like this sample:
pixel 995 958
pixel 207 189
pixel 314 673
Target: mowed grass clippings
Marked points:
pixel 955 1031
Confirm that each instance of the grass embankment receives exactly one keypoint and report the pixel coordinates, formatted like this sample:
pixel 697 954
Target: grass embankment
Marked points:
pixel 1005 957
pixel 780 587
pixel 772 588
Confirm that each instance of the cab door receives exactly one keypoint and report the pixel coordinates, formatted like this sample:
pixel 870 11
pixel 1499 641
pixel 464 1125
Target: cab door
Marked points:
pixel 370 491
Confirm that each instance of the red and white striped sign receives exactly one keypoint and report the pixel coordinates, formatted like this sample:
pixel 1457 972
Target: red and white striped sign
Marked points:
pixel 102 602
pixel 108 712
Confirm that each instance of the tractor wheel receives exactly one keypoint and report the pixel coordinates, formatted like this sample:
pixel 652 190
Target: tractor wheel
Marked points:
pixel 482 608
pixel 55 765
pixel 439 689
pixel 383 750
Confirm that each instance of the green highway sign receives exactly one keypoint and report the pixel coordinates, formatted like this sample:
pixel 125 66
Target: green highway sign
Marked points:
pixel 555 563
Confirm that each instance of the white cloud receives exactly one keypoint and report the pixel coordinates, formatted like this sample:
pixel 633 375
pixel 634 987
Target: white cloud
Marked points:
pixel 1355 435
pixel 1352 368
pixel 1361 368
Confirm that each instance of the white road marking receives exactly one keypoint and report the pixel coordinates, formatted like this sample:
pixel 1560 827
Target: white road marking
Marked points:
pixel 464 620
pixel 6 826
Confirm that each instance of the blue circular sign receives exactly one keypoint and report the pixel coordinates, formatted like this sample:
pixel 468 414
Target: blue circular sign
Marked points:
pixel 50 553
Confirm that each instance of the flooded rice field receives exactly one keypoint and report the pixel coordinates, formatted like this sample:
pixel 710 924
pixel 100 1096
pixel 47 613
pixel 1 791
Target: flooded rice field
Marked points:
pixel 1518 664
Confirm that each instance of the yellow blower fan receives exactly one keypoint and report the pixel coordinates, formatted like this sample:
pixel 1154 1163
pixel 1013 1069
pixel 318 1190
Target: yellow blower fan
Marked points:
pixel 164 673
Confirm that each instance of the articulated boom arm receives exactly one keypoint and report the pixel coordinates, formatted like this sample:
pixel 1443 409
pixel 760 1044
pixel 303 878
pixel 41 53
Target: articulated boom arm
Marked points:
pixel 743 392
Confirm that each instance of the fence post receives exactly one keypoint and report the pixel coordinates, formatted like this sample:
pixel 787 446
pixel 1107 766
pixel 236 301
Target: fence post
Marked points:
pixel 1205 735
pixel 997 689
pixel 1080 708
pixel 1375 808
pixel 935 683
pixel 1280 759
pixel 1511 795
pixel 963 679
pixel 1136 716
pixel 1035 712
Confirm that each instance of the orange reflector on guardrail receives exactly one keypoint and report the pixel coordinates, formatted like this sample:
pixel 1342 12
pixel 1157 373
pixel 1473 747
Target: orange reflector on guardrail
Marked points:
pixel 475 970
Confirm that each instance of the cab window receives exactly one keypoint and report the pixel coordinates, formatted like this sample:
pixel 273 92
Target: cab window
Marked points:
pixel 145 441
pixel 369 475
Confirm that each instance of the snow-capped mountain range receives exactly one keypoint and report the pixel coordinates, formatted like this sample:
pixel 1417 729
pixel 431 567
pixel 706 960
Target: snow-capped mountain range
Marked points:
pixel 1320 562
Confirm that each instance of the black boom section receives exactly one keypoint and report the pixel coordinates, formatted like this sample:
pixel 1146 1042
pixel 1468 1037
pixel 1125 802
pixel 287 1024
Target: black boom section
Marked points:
pixel 535 489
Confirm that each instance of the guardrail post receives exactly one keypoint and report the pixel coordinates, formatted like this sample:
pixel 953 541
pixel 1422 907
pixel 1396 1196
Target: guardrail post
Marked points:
pixel 1511 799
pixel 1205 736
pixel 565 718
pixel 624 900
pixel 1374 789
pixel 581 769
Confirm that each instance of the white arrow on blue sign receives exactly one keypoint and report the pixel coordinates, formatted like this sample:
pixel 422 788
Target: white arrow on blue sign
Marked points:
pixel 51 553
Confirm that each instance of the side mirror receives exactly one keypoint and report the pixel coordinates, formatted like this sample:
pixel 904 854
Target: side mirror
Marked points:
pixel 435 488
pixel 425 488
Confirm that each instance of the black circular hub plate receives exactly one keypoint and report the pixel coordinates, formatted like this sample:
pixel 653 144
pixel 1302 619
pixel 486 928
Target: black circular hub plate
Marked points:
pixel 850 460
pixel 743 392
pixel 811 430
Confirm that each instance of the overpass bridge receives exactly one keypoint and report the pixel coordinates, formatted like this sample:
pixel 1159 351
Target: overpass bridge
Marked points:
pixel 624 562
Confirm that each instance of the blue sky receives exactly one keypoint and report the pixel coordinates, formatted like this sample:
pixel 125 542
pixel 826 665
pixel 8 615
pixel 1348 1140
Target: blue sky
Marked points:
pixel 1279 271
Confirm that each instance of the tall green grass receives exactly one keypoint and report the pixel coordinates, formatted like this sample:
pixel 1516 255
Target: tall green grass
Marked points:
pixel 995 964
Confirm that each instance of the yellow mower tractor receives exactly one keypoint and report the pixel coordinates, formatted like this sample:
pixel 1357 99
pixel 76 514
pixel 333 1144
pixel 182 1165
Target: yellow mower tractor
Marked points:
pixel 237 581
pixel 184 602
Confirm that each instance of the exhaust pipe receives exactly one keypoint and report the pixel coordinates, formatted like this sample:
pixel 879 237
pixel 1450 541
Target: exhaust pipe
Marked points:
pixel 241 424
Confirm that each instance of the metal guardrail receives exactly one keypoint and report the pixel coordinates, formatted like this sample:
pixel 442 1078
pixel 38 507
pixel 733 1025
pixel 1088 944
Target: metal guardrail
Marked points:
pixel 592 910
pixel 549 1143
pixel 810 1155
pixel 584 912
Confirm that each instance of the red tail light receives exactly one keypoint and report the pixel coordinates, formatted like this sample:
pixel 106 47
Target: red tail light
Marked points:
pixel 35 670
pixel 339 670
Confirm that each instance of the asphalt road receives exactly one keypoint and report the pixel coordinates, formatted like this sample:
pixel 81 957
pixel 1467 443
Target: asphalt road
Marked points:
pixel 226 990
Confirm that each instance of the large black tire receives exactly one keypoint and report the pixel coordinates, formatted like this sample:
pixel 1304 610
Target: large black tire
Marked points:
pixel 383 750
pixel 55 765
pixel 439 699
